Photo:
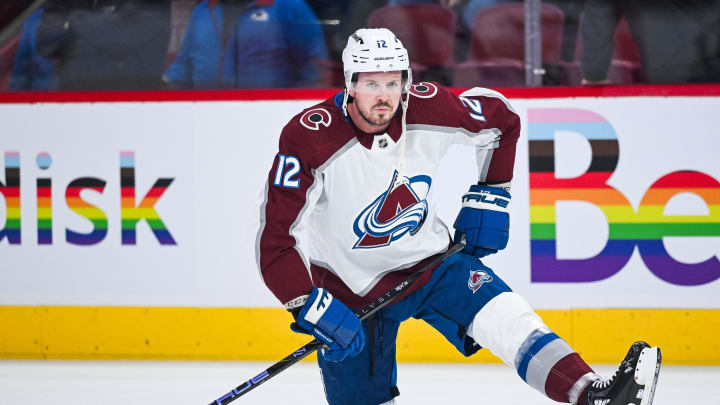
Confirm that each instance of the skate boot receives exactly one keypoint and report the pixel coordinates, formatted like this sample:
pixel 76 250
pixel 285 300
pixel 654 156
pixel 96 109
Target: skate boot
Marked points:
pixel 634 381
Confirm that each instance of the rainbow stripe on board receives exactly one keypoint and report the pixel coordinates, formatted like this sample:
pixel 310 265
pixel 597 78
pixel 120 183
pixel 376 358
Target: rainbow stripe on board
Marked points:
pixel 44 211
pixel 91 212
pixel 132 214
pixel 11 191
pixel 628 228
pixel 650 226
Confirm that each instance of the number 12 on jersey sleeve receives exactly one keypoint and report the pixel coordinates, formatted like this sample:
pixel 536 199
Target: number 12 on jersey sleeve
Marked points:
pixel 287 169
pixel 475 106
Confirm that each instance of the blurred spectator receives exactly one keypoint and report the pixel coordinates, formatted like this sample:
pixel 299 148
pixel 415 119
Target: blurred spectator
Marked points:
pixel 30 70
pixel 200 60
pixel 571 26
pixel 277 45
pixel 106 44
pixel 677 39
pixel 249 44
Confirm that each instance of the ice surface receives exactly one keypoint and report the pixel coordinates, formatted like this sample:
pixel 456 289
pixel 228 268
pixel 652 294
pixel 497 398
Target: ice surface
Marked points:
pixel 198 383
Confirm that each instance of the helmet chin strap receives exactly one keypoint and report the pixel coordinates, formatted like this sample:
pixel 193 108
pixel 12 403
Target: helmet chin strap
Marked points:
pixel 403 141
pixel 346 95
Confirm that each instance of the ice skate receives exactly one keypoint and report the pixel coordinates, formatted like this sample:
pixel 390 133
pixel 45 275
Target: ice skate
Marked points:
pixel 634 381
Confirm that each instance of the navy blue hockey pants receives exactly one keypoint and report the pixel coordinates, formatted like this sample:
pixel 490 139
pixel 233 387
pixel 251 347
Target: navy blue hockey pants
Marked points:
pixel 458 289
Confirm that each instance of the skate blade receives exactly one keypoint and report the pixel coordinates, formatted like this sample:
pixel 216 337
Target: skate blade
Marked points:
pixel 647 372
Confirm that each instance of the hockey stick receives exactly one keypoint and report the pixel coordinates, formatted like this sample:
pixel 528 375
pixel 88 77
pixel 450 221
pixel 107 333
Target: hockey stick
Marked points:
pixel 314 345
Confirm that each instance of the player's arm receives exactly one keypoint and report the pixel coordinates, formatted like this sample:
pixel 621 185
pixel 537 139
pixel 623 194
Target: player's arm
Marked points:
pixel 283 265
pixel 484 220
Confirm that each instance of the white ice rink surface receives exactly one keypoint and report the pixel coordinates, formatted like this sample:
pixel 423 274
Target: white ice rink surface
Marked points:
pixel 199 383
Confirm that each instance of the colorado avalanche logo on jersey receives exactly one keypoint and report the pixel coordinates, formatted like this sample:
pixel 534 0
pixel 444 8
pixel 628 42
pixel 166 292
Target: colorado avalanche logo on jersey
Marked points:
pixel 396 212
pixel 477 279
pixel 312 119
pixel 423 90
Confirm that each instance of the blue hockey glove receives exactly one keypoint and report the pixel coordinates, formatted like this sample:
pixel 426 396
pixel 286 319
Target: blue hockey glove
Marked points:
pixel 332 323
pixel 483 220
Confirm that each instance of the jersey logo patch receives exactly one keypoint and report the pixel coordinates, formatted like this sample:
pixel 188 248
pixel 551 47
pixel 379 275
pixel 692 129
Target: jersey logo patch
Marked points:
pixel 312 119
pixel 423 90
pixel 260 15
pixel 397 211
pixel 477 279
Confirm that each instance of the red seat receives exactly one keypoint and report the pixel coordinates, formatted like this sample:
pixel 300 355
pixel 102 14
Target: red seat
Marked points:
pixel 428 33
pixel 497 45
pixel 625 66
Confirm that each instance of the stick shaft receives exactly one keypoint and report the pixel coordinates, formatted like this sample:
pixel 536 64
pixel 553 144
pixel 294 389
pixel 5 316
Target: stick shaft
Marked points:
pixel 314 345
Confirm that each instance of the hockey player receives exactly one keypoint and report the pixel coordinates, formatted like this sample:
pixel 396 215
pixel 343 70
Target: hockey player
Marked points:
pixel 349 213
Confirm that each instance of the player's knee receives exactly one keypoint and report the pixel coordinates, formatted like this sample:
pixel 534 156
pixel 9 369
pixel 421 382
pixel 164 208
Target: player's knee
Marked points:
pixel 503 324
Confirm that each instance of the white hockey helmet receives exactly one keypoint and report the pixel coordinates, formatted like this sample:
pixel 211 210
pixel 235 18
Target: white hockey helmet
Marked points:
pixel 375 50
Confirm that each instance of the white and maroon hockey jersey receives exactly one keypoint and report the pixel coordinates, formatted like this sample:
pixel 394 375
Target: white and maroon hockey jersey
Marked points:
pixel 340 213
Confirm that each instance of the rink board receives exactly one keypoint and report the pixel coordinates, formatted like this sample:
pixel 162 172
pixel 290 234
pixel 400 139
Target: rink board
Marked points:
pixel 128 220
pixel 262 334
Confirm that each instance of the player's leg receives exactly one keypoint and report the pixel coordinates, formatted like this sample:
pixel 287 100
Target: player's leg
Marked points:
pixel 509 327
pixel 371 376
pixel 500 320
pixel 511 330
pixel 472 306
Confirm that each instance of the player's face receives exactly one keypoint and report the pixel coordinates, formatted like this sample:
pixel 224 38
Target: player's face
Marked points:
pixel 377 95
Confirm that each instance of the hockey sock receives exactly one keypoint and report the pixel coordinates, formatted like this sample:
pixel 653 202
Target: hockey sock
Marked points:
pixel 551 366
pixel 568 379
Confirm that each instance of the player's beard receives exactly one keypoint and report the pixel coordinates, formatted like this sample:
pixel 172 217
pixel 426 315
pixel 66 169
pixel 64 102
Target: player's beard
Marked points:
pixel 382 120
